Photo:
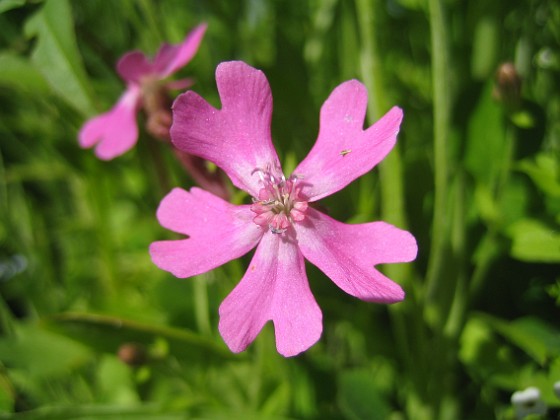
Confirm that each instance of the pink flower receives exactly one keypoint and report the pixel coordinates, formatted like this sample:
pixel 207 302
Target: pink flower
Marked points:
pixel 281 222
pixel 115 132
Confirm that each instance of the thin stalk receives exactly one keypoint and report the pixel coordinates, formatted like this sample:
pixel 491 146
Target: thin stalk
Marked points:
pixel 440 82
pixel 456 317
pixel 200 285
pixel 391 187
pixel 371 72
pixel 390 170
pixel 100 196
pixel 159 166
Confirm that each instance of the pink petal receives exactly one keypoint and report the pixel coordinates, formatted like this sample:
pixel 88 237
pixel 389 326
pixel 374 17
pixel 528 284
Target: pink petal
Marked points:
pixel 133 66
pixel 115 132
pixel 218 232
pixel 237 137
pixel 274 288
pixel 343 150
pixel 180 84
pixel 171 58
pixel 347 254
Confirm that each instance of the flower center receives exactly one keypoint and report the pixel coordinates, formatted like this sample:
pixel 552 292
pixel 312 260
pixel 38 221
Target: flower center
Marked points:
pixel 279 203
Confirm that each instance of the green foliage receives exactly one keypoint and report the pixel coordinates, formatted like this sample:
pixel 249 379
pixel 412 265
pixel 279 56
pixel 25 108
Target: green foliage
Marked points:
pixel 90 328
pixel 56 54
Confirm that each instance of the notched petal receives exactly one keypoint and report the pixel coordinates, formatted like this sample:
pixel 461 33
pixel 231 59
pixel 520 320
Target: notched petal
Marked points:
pixel 114 132
pixel 347 254
pixel 237 137
pixel 217 232
pixel 345 151
pixel 274 288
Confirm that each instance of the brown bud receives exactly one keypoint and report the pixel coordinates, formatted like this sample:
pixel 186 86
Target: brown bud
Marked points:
pixel 133 354
pixel 508 85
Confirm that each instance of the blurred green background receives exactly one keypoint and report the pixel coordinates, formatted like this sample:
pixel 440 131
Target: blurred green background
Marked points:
pixel 90 328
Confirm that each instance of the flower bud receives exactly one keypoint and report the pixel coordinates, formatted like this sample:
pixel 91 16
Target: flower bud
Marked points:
pixel 133 354
pixel 508 85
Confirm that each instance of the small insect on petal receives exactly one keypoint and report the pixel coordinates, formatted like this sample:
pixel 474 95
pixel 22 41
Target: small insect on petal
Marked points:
pixel 345 152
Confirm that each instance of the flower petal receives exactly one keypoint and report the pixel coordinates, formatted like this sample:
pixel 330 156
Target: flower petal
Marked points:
pixel 134 65
pixel 343 150
pixel 237 137
pixel 218 232
pixel 115 132
pixel 171 58
pixel 347 254
pixel 274 288
pixel 180 84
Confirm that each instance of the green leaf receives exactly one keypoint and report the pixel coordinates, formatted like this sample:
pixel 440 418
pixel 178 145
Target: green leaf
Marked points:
pixel 533 241
pixel 107 333
pixel 56 54
pixel 41 353
pixel 538 339
pixel 485 47
pixel 7 394
pixel 359 398
pixel 486 141
pixel 523 119
pixel 19 72
pixel 544 171
pixel 486 204
pixel 486 359
pixel 6 5
pixel 115 382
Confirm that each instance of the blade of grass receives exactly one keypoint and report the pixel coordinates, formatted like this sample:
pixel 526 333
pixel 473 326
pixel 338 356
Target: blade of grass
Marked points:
pixel 441 110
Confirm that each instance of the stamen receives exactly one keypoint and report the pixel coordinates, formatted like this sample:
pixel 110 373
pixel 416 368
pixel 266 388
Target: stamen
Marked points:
pixel 279 204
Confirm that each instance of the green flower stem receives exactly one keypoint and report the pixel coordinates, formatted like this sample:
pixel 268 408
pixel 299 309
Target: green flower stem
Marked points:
pixel 445 299
pixel 440 82
pixel 159 166
pixel 101 198
pixel 390 170
pixel 201 307
pixel 392 193
pixel 456 316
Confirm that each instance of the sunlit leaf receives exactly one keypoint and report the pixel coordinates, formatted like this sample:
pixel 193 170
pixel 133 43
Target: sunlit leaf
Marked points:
pixel 544 170
pixel 485 47
pixel 56 54
pixel 115 382
pixel 486 143
pixel 6 5
pixel 537 338
pixel 534 241
pixel 486 359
